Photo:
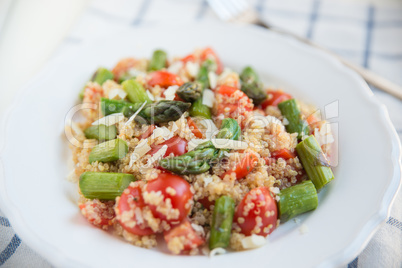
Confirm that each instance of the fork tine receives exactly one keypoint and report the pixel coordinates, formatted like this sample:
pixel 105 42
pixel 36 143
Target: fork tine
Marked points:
pixel 228 9
pixel 219 9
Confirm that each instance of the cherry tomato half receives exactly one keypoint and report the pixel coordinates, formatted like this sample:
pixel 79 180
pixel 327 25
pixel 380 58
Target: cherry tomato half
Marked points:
pixel 175 145
pixel 164 79
pixel 244 167
pixel 257 213
pixel 184 231
pixel 131 203
pixel 177 197
pixel 274 98
pixel 283 153
pixel 98 213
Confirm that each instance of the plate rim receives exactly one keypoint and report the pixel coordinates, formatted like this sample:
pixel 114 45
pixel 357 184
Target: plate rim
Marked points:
pixel 58 258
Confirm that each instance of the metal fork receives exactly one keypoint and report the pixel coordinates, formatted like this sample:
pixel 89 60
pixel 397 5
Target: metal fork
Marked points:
pixel 240 11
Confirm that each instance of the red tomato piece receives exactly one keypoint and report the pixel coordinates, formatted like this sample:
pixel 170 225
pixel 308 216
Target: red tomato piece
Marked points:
pixel 283 153
pixel 186 232
pixel 196 131
pixel 123 66
pixel 175 145
pixel 98 213
pixel 148 133
pixel 131 203
pixel 209 53
pixel 188 58
pixel 257 213
pixel 177 197
pixel 244 167
pixel 164 79
pixel 274 98
pixel 206 203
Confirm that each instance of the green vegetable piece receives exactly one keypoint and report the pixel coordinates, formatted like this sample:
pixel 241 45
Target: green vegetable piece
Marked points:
pixel 252 86
pixel 101 132
pixel 291 112
pixel 199 160
pixel 109 106
pixel 190 91
pixel 109 151
pixel 163 111
pixel 135 92
pixel 296 200
pixel 100 77
pixel 222 220
pixel 103 185
pixel 199 109
pixel 314 162
pixel 158 60
pixel 207 66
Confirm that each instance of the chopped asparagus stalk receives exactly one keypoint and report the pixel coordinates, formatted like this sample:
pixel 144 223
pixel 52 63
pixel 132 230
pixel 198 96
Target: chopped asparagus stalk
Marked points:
pixel 109 151
pixel 190 91
pixel 222 220
pixel 199 109
pixel 252 86
pixel 101 132
pixel 158 60
pixel 314 162
pixel 100 77
pixel 230 130
pixel 135 92
pixel 291 112
pixel 109 106
pixel 206 67
pixel 296 200
pixel 104 186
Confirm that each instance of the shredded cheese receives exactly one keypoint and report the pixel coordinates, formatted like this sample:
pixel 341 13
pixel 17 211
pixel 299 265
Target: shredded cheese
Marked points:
pixel 208 98
pixel 157 155
pixel 117 94
pixel 213 79
pixel 139 151
pixel 229 144
pixel 192 68
pixel 163 132
pixel 150 95
pixel 253 241
pixel 175 67
pixel 109 120
pixel 134 72
pixel 170 92
pixel 135 114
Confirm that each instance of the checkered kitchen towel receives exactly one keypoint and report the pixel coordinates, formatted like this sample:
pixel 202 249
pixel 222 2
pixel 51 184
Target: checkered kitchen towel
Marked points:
pixel 367 34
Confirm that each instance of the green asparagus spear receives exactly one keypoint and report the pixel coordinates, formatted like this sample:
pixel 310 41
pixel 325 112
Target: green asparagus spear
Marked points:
pixel 199 109
pixel 291 112
pixel 108 151
pixel 296 200
pixel 101 132
pixel 135 92
pixel 190 91
pixel 158 60
pixel 314 162
pixel 158 112
pixel 198 161
pixel 222 220
pixel 164 111
pixel 100 77
pixel 252 86
pixel 103 185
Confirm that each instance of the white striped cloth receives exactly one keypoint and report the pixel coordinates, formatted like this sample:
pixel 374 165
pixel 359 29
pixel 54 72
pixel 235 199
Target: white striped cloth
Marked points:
pixel 367 34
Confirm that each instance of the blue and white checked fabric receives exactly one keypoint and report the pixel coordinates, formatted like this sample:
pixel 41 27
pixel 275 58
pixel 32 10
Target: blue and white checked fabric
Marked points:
pixel 367 34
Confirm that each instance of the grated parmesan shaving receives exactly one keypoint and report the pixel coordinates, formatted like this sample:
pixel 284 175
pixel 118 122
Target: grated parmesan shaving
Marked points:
pixel 253 241
pixel 135 114
pixel 117 94
pixel 192 68
pixel 139 151
pixel 109 120
pixel 157 155
pixel 217 251
pixel 208 98
pixel 150 95
pixel 213 79
pixel 134 72
pixel 170 92
pixel 163 132
pixel 229 144
pixel 175 67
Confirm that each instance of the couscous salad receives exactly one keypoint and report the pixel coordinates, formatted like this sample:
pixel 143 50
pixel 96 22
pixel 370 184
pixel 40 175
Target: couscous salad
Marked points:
pixel 194 152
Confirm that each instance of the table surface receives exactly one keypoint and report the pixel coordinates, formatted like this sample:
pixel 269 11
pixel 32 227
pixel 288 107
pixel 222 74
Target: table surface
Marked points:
pixel 33 32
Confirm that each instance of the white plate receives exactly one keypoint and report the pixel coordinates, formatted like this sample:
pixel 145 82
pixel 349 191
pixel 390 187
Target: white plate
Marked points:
pixel 41 204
